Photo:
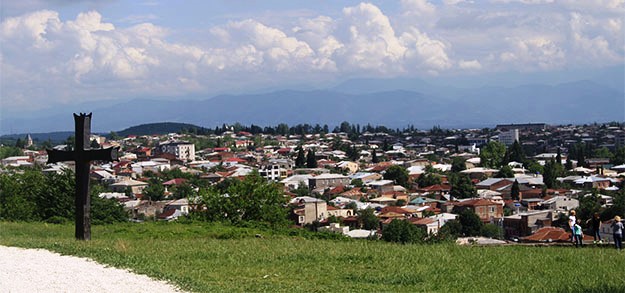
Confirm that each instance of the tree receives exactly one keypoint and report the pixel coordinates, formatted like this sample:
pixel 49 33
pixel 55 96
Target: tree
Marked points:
pixel 251 199
pixel 603 152
pixel 492 231
pixel 357 182
pixel 491 155
pixel 505 172
pixel 516 152
pixel 398 174
pixel 374 157
pixel 31 195
pixel 458 164
pixel 514 190
pixel 461 186
pixel 184 190
pixel 428 179
pixel 552 171
pixel 402 231
pixel 559 157
pixel 619 156
pixel 471 223
pixel 368 220
pixel 114 136
pixel 155 190
pixel 452 228
pixel 300 161
pixel 588 206
pixel 311 160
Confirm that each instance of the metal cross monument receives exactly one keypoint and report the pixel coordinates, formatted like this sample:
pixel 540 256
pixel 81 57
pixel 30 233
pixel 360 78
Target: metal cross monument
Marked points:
pixel 82 155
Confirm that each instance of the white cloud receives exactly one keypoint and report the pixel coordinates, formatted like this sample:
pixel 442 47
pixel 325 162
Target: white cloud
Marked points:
pixel 43 57
pixel 469 65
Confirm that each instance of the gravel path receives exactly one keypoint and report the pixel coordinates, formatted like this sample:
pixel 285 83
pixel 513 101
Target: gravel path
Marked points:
pixel 38 270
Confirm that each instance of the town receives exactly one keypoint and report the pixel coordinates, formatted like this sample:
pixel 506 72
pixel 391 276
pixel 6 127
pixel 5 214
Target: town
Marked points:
pixel 514 182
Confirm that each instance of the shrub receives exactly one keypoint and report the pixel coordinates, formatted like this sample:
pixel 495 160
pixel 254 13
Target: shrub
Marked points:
pixel 403 232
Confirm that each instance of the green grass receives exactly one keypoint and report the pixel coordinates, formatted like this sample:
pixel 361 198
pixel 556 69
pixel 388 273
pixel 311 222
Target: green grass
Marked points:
pixel 216 258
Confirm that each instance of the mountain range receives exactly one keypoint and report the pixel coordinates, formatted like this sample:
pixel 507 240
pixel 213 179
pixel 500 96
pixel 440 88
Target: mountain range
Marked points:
pixel 392 102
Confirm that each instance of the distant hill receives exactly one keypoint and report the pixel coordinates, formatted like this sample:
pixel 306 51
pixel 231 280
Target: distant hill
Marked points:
pixel 418 104
pixel 55 137
pixel 158 128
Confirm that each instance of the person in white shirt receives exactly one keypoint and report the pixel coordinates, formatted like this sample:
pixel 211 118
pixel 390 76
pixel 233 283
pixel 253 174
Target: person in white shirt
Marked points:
pixel 572 221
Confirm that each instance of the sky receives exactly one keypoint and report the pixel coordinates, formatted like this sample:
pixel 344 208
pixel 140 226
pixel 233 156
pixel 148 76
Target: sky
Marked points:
pixel 64 51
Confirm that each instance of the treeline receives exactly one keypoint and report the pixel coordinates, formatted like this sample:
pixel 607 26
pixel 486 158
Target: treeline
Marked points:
pixel 302 129
pixel 31 195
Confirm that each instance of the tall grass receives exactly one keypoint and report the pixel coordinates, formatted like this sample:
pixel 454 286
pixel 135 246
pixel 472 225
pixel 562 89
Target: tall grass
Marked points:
pixel 216 258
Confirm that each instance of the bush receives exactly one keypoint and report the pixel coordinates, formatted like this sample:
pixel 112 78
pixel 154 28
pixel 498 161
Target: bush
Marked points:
pixel 492 231
pixel 403 232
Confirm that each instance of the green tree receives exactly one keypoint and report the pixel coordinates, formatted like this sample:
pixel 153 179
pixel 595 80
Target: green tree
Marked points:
pixel 155 190
pixel 357 182
pixel 452 229
pixel 619 156
pixel 184 190
pixel 461 186
pixel 114 136
pixel 402 231
pixel 516 152
pixel 492 231
pixel 552 171
pixel 505 172
pixel 588 205
pixel 458 164
pixel 9 151
pixel 398 174
pixel 300 160
pixel 428 179
pixel 471 223
pixel 603 152
pixel 252 199
pixel 491 155
pixel 514 190
pixel 368 220
pixel 311 160
pixel 374 157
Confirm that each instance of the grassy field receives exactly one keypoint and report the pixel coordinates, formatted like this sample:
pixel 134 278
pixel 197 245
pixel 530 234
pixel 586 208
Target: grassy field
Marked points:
pixel 205 257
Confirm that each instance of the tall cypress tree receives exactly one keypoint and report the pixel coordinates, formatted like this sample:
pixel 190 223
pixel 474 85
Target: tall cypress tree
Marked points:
pixel 311 161
pixel 374 157
pixel 514 191
pixel 300 161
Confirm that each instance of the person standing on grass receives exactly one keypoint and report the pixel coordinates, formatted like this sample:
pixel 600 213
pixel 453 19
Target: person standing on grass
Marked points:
pixel 577 234
pixel 572 221
pixel 595 223
pixel 617 231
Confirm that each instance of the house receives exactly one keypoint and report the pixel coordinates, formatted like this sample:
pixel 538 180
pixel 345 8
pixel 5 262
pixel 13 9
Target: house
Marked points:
pixel 559 203
pixel 430 225
pixel 295 181
pixel 327 180
pixel 366 177
pixel 309 209
pixel 487 210
pixel 381 186
pixel 17 161
pixel 350 167
pixel 182 150
pixel 479 172
pixel 526 223
pixel 137 187
pixel 276 169
pixel 339 212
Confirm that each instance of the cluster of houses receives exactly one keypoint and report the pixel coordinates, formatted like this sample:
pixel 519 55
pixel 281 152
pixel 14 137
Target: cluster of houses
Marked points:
pixel 341 185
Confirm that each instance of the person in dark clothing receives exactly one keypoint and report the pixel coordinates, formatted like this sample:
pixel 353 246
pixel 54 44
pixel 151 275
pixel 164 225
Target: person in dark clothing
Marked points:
pixel 595 224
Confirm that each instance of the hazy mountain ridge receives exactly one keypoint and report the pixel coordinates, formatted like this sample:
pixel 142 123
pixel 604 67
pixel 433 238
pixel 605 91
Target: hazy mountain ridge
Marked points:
pixel 423 106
